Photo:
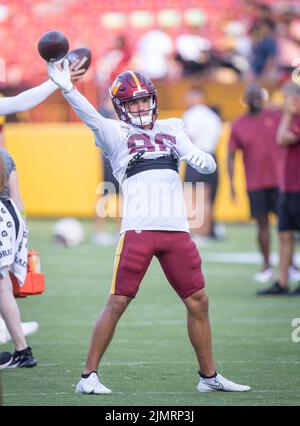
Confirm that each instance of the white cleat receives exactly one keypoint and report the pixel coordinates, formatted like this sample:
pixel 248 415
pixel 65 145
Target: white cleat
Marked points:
pixel 293 273
pixel 28 329
pixel 219 383
pixel 91 385
pixel 264 276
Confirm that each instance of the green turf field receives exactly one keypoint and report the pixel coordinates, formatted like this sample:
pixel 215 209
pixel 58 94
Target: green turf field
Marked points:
pixel 150 361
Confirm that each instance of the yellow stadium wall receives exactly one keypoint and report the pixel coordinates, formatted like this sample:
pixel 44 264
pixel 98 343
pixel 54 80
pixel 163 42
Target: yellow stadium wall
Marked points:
pixel 59 169
pixel 225 210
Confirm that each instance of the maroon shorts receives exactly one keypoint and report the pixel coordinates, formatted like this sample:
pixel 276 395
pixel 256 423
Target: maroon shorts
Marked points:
pixel 176 252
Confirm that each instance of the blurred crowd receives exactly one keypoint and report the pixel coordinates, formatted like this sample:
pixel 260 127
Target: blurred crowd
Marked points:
pixel 226 41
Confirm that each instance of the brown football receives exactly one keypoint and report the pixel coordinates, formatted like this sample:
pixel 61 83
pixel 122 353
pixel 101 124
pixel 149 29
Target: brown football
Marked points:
pixel 53 46
pixel 83 54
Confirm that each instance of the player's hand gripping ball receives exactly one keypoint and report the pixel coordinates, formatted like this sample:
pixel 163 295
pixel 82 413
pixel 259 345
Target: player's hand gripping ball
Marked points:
pixel 53 46
pixel 82 55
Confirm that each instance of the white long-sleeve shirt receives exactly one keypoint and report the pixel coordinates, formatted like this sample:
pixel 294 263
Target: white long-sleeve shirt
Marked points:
pixel 28 99
pixel 152 199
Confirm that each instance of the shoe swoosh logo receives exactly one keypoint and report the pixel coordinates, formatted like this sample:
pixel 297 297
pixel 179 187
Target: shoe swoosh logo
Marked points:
pixel 216 385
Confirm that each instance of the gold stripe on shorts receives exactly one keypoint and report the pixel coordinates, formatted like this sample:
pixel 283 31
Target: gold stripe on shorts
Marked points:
pixel 116 264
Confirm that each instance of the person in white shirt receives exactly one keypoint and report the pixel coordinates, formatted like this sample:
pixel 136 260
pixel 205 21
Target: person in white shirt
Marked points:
pixel 193 51
pixel 154 53
pixel 144 154
pixel 204 128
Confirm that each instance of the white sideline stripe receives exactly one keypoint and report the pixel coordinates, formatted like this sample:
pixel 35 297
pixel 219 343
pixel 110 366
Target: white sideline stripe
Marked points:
pixel 143 323
pixel 153 392
pixel 49 365
pixel 39 393
pixel 223 393
pixel 251 258
pixel 69 258
pixel 193 362
pixel 237 320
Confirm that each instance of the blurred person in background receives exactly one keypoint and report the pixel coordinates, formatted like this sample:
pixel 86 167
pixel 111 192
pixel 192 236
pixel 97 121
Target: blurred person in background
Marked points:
pixel 10 188
pixel 254 133
pixel 263 59
pixel 288 137
pixel 114 61
pixel 204 128
pixel 253 11
pixel 154 54
pixel 13 259
pixel 193 51
pixel 235 47
pixel 10 105
pixel 288 47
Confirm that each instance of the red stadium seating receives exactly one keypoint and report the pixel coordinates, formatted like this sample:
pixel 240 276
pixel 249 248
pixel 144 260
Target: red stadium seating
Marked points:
pixel 81 21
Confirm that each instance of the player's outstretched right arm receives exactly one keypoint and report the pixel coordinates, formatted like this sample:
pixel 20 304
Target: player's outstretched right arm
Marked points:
pixel 104 131
pixel 27 99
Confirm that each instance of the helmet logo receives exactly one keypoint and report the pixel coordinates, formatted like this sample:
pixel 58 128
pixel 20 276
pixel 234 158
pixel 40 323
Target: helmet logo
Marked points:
pixel 140 92
pixel 115 88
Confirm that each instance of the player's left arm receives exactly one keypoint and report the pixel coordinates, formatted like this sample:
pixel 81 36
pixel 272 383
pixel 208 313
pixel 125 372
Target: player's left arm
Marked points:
pixel 285 135
pixel 195 157
pixel 288 132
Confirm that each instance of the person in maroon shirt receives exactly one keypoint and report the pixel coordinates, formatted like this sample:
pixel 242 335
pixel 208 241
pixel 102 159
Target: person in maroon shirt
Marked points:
pixel 288 137
pixel 254 133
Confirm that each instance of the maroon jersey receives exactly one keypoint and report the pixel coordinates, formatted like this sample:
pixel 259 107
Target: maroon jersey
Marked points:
pixel 255 135
pixel 289 177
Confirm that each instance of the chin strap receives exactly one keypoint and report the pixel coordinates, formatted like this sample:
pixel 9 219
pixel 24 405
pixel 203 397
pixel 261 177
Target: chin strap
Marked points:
pixel 141 120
